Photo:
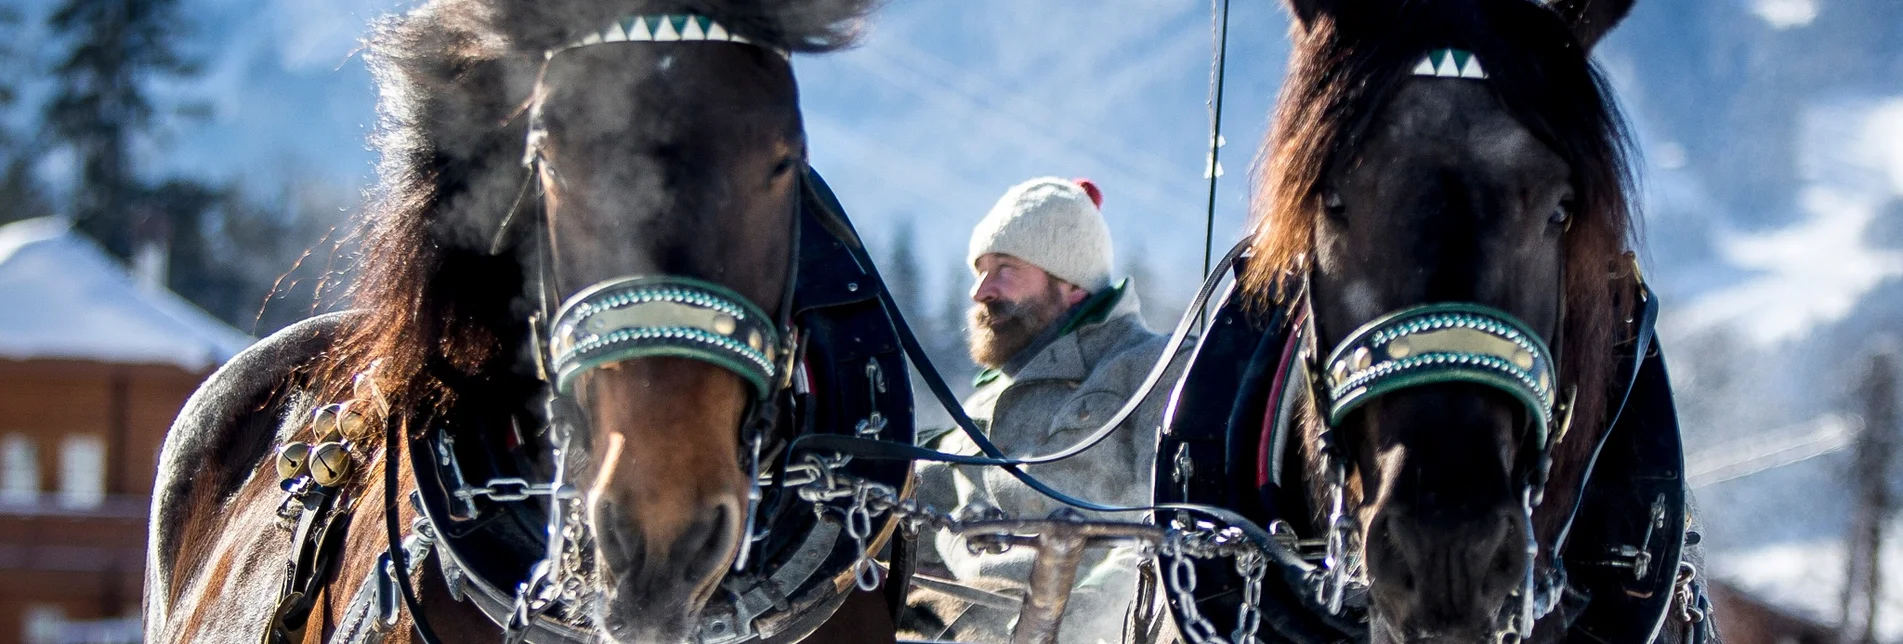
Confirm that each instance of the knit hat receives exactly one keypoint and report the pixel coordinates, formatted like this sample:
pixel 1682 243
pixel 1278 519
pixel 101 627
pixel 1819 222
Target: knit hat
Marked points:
pixel 1056 225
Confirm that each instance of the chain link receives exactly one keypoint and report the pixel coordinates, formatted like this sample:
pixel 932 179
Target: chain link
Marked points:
pixel 510 489
pixel 1342 560
pixel 1252 567
pixel 1686 596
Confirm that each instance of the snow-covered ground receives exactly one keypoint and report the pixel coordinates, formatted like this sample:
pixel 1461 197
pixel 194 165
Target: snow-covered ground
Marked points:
pixel 62 296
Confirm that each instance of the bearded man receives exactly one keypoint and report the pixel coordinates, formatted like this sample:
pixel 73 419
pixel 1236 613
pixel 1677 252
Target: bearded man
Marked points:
pixel 1063 347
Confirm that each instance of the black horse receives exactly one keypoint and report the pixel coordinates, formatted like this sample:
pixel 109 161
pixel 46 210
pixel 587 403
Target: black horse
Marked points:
pixel 600 296
pixel 1435 382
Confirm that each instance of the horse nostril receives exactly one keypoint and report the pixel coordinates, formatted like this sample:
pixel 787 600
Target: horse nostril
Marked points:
pixel 709 542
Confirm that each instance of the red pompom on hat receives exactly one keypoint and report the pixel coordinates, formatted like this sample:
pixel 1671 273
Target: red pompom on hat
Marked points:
pixel 1090 188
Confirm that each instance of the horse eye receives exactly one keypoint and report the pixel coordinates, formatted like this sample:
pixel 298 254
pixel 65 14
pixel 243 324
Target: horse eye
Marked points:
pixel 1332 202
pixel 785 165
pixel 1562 213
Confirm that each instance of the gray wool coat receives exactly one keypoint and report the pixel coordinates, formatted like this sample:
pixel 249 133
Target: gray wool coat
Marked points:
pixel 1063 393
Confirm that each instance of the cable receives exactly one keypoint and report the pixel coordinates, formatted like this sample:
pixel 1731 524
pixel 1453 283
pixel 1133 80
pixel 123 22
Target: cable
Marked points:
pixel 1219 12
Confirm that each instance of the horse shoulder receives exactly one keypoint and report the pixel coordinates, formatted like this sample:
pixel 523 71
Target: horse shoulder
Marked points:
pixel 221 436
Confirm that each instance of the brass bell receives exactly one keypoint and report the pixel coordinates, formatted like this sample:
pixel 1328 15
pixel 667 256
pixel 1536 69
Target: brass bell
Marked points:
pixel 324 421
pixel 337 422
pixel 293 460
pixel 350 422
pixel 330 463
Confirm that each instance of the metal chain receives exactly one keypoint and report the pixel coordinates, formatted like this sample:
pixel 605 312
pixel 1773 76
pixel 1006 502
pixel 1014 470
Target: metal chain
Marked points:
pixel 1686 596
pixel 1181 580
pixel 818 481
pixel 1252 567
pixel 510 489
pixel 1342 562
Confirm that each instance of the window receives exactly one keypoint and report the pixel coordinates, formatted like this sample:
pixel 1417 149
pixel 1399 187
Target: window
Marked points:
pixel 82 471
pixel 44 622
pixel 19 470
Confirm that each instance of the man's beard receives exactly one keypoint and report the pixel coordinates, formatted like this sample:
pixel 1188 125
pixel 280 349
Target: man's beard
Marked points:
pixel 999 329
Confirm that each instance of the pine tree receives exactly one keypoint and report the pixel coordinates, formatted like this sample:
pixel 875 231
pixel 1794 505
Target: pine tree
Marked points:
pixel 20 193
pixel 901 271
pixel 1159 311
pixel 1873 461
pixel 13 64
pixel 101 104
pixel 948 346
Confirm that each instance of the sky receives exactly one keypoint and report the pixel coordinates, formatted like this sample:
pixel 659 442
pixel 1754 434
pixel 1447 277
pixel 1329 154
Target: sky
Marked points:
pixel 937 112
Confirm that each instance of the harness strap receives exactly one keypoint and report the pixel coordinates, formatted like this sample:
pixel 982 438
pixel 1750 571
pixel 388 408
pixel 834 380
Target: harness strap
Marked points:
pixel 315 544
pixel 993 456
pixel 373 610
pixel 1292 566
pixel 1641 346
pixel 396 554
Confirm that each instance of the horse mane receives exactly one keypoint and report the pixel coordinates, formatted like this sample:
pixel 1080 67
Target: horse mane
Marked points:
pixel 455 76
pixel 1340 72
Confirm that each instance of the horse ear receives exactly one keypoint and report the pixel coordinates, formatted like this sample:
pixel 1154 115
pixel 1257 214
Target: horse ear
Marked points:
pixel 1307 11
pixel 1591 19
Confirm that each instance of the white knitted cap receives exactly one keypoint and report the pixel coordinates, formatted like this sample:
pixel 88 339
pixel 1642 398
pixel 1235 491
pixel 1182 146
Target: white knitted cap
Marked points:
pixel 1056 225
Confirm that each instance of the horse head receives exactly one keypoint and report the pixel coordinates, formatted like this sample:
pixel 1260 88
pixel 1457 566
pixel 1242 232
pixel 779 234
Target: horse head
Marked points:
pixel 603 194
pixel 1446 182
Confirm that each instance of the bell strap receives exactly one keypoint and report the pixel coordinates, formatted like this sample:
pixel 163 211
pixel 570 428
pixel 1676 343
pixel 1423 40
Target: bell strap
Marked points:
pixel 650 316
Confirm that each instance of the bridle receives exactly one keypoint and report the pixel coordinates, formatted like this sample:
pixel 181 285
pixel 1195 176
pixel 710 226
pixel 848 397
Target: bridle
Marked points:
pixel 1419 346
pixel 623 318
pixel 1431 344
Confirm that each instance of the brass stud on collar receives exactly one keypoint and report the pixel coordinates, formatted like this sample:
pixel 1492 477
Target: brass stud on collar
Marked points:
pixel 329 463
pixel 1363 358
pixel 293 460
pixel 1400 348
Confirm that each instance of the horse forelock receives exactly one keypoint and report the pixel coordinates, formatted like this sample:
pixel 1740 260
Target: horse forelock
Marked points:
pixel 1341 71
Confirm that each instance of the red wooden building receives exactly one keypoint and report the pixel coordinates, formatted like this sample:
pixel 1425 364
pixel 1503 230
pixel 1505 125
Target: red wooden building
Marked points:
pixel 94 363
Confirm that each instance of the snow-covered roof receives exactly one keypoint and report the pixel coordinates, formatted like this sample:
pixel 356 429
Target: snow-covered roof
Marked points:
pixel 1807 578
pixel 63 297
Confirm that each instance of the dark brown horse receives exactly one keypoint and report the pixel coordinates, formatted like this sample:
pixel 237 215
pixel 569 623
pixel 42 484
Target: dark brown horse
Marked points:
pixel 1441 236
pixel 665 158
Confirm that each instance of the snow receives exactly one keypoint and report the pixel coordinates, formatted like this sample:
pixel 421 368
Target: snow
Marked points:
pixel 1807 578
pixel 63 297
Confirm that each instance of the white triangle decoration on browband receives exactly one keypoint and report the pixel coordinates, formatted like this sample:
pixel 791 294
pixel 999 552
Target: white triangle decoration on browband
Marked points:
pixel 659 28
pixel 1450 63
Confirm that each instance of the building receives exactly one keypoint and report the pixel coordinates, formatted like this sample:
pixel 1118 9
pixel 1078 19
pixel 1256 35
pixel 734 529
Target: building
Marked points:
pixel 94 364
